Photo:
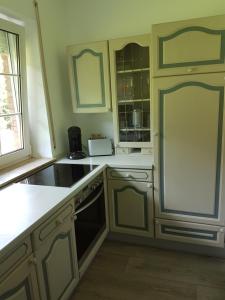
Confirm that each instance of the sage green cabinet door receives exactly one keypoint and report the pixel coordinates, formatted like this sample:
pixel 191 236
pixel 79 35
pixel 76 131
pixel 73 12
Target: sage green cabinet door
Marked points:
pixel 89 77
pixel 189 150
pixel 131 207
pixel 21 284
pixel 190 46
pixel 57 264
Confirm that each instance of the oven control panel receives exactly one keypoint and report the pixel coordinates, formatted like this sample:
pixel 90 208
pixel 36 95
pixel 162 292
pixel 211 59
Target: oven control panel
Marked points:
pixel 86 191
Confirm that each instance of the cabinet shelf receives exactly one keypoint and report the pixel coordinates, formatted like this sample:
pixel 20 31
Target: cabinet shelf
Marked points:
pixel 132 100
pixel 132 71
pixel 135 129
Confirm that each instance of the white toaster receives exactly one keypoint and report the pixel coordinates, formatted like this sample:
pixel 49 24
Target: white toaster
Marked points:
pixel 100 147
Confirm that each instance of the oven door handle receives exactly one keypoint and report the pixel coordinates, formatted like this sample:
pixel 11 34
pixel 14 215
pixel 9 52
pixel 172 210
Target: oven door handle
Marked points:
pixel 89 203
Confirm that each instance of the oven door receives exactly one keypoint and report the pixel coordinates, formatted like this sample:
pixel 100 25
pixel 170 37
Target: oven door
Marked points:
pixel 90 222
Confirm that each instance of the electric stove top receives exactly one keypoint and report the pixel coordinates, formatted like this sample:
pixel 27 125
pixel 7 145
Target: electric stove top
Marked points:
pixel 63 175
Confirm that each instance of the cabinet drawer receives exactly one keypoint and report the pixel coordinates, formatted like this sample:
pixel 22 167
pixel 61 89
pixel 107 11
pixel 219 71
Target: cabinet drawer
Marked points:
pixel 49 227
pixel 201 234
pixel 15 255
pixel 130 174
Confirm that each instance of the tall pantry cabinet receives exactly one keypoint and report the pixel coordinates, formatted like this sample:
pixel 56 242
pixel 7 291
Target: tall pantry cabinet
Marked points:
pixel 188 92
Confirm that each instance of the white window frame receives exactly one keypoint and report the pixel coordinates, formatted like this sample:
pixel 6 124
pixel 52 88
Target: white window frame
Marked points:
pixel 22 154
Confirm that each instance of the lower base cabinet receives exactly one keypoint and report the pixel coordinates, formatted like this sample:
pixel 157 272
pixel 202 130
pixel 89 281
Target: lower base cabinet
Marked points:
pixel 57 267
pixel 56 257
pixel 193 233
pixel 21 284
pixel 131 207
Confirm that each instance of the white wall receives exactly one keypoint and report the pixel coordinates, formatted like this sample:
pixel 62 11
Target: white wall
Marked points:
pixel 54 31
pixel 89 20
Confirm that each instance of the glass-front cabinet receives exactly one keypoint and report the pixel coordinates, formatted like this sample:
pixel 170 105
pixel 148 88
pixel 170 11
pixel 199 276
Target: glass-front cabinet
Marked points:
pixel 130 81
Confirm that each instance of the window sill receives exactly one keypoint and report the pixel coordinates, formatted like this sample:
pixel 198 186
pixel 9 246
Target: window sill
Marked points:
pixel 20 170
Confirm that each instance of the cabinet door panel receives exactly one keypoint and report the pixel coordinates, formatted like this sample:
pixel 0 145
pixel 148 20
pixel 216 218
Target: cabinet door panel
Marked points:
pixel 89 77
pixel 190 46
pixel 57 265
pixel 131 207
pixel 21 284
pixel 190 125
pixel 130 86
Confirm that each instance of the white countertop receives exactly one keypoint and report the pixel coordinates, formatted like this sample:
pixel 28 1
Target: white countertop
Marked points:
pixel 24 207
pixel 134 160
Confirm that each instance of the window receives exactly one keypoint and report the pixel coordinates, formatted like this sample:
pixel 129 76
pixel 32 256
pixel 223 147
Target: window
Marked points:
pixel 13 110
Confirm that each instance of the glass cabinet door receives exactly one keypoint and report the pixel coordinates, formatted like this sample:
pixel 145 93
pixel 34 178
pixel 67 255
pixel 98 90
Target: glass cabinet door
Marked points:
pixel 133 93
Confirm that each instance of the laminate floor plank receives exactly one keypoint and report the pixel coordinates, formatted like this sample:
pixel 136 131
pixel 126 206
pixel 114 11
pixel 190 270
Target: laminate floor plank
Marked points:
pixel 209 293
pixel 121 271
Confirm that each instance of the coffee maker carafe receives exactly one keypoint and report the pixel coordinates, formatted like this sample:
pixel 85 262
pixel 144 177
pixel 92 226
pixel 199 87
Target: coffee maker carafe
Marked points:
pixel 74 134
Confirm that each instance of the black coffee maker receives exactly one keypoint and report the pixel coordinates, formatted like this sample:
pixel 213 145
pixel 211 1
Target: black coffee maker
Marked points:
pixel 74 134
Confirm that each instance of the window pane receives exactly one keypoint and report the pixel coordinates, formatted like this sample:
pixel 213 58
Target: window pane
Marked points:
pixel 9 94
pixel 10 134
pixel 8 53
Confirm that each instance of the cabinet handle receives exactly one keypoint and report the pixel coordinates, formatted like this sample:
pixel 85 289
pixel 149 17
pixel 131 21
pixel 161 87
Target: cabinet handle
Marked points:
pixel 190 70
pixel 156 134
pixel 73 216
pixel 32 261
pixel 129 176
pixel 59 221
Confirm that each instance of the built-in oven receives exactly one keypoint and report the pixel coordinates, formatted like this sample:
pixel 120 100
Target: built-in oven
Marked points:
pixel 90 219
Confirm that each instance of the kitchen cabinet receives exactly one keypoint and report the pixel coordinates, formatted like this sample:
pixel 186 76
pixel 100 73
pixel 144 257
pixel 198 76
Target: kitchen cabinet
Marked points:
pixel 130 205
pixel 189 46
pixel 89 77
pixel 189 150
pixel 130 86
pixel 55 252
pixel 201 234
pixel 189 130
pixel 21 284
pixel 15 255
pixel 18 278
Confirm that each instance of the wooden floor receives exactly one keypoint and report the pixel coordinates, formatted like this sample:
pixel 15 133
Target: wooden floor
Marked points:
pixel 125 272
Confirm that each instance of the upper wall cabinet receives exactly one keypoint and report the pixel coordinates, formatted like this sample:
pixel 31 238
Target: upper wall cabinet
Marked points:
pixel 89 77
pixel 191 46
pixel 130 73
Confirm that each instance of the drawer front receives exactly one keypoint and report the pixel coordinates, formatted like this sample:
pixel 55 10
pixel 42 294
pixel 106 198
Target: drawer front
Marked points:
pixel 130 174
pixel 48 228
pixel 15 256
pixel 193 233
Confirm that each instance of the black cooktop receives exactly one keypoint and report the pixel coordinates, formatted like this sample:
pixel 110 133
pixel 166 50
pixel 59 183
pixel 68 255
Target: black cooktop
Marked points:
pixel 64 175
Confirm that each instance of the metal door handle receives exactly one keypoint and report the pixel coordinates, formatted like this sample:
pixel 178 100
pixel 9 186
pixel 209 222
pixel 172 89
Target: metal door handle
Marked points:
pixel 89 203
